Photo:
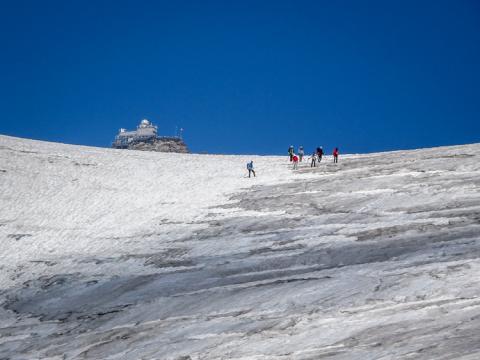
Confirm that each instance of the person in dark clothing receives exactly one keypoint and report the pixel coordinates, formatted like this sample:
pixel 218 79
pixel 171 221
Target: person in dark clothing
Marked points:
pixel 335 155
pixel 250 169
pixel 291 152
pixel 319 154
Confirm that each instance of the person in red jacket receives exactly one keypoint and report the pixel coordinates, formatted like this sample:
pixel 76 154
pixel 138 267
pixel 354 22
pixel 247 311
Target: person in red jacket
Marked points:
pixel 335 155
pixel 295 161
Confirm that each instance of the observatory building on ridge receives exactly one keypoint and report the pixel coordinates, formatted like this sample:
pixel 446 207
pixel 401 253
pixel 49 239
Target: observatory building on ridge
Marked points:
pixel 146 132
pixel 145 137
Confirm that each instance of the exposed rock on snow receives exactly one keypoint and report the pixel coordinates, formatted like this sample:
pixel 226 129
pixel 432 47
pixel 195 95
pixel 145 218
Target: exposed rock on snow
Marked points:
pixel 184 257
pixel 175 145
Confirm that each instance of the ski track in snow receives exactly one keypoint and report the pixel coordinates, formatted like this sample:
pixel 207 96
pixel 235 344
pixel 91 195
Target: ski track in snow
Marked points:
pixel 111 254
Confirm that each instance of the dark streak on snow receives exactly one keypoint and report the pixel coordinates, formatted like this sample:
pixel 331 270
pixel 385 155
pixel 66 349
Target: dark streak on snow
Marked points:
pixel 18 236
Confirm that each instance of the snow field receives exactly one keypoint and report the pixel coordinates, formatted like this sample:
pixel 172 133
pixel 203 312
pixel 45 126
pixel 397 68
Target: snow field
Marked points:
pixel 112 254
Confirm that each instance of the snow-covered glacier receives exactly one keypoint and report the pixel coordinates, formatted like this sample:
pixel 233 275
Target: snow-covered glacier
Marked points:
pixel 111 254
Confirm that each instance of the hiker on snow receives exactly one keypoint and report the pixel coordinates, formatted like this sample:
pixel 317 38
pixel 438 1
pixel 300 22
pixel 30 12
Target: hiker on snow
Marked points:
pixel 319 153
pixel 250 169
pixel 291 152
pixel 335 155
pixel 300 153
pixel 314 160
pixel 295 161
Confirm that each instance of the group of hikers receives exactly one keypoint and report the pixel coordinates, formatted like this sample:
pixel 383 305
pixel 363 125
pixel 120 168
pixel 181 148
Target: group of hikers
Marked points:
pixel 316 156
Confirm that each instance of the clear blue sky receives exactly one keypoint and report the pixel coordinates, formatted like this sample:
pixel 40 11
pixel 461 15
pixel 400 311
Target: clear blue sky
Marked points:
pixel 244 76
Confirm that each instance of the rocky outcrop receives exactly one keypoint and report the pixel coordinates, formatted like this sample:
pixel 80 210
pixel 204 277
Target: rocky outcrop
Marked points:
pixel 172 144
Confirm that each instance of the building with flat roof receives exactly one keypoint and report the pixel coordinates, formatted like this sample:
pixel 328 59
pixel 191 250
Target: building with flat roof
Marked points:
pixel 145 137
pixel 146 132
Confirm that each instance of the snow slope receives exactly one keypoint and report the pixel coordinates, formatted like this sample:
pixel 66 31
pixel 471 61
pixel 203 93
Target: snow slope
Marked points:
pixel 111 254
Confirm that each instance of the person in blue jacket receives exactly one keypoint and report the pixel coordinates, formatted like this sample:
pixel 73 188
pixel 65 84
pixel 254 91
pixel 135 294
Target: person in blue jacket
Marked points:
pixel 301 153
pixel 250 169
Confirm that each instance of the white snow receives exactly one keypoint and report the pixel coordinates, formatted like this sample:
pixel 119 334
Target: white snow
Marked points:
pixel 73 201
pixel 117 254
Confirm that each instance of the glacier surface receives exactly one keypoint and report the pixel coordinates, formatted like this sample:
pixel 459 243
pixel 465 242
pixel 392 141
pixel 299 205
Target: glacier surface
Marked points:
pixel 111 254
